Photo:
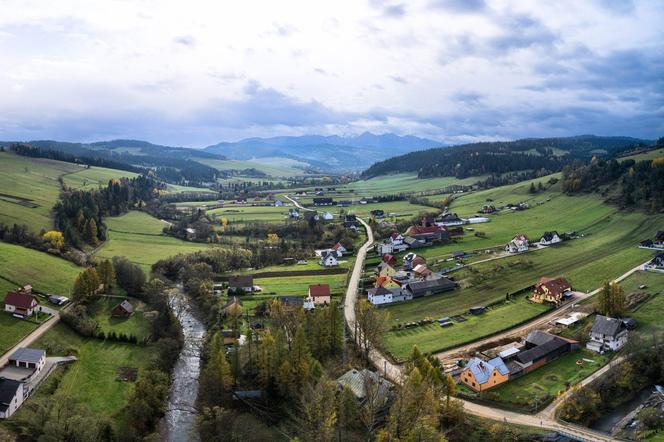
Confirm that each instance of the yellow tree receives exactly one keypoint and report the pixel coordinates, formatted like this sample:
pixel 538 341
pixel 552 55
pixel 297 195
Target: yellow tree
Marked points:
pixel 54 238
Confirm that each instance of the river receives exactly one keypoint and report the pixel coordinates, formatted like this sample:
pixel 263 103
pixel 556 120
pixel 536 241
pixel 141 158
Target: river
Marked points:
pixel 181 413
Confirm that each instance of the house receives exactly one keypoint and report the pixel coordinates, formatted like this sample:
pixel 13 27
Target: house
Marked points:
pixel 384 269
pixel 477 310
pixel 386 282
pixel 550 238
pixel 413 243
pixel 384 224
pixel 350 220
pixel 12 395
pixel 124 309
pixel 487 208
pixel 659 238
pixel 607 334
pixel 657 263
pixel 426 233
pixel 390 259
pixel 429 287
pixel 343 203
pixel 518 244
pixel 379 296
pixel 378 213
pixel 328 216
pixel 483 375
pixel 20 304
pixel 320 293
pixel 28 358
pixel 278 203
pixel 294 213
pixel 323 201
pixel 458 254
pixel 551 290
pixel 328 259
pixel 241 283
pixel 384 248
pixel 310 215
pixel 340 249
pixel 647 243
pixel 367 386
pixel 233 306
pixel 411 260
pixel 422 271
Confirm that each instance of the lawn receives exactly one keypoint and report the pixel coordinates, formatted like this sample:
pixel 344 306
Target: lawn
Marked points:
pixel 649 314
pixel 13 330
pixel 540 386
pixel 650 155
pixel 432 337
pixel 276 167
pixel 136 235
pixel 251 213
pixel 43 271
pixel 135 325
pixel 29 188
pixel 403 183
pixel 92 379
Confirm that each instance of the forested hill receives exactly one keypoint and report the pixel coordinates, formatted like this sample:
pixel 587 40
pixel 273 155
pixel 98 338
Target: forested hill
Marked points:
pixel 476 159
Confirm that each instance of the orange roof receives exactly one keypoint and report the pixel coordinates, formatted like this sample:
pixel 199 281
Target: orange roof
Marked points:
pixel 319 290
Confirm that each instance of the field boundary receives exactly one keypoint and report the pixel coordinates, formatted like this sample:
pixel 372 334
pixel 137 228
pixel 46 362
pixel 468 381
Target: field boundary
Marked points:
pixel 259 275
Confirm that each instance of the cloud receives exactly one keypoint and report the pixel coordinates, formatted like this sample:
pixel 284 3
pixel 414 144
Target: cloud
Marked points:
pixel 398 79
pixel 185 40
pixel 459 6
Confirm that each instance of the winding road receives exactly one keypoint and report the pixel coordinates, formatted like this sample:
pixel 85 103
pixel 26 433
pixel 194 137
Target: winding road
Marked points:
pixel 545 419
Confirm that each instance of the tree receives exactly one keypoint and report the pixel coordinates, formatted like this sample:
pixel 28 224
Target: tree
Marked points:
pixel 106 274
pixel 611 300
pixel 272 237
pixel 86 284
pixel 532 189
pixel 317 416
pixel 91 232
pixel 371 324
pixel 55 239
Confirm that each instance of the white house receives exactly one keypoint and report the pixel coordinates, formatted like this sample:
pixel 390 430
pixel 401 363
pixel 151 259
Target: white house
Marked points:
pixel 384 248
pixel 340 249
pixel 328 216
pixel 607 334
pixel 550 238
pixel 381 295
pixel 518 244
pixel 20 304
pixel 12 395
pixel 328 259
pixel 278 203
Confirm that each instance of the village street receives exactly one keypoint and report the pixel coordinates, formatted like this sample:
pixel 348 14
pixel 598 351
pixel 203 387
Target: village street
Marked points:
pixel 32 337
pixel 544 419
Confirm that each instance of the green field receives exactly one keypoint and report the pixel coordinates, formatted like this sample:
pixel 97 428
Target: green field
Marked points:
pixel 13 330
pixel 403 183
pixel 43 271
pixel 137 236
pixel 251 213
pixel 92 379
pixel 275 167
pixel 36 181
pixel 650 155
pixel 538 387
pixel 94 177
pixel 649 314
pixel 135 325
pixel 608 250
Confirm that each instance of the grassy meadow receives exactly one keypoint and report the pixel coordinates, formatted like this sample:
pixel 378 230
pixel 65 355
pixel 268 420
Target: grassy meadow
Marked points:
pixel 251 213
pixel 94 177
pixel 137 236
pixel 403 183
pixel 275 167
pixel 650 155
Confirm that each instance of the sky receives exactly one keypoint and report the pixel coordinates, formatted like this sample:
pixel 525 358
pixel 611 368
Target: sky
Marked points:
pixel 198 72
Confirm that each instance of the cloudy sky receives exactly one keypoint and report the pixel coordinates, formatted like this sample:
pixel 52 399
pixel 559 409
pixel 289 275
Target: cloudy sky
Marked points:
pixel 197 72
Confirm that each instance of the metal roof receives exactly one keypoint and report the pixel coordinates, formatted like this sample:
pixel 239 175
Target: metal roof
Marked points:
pixel 28 355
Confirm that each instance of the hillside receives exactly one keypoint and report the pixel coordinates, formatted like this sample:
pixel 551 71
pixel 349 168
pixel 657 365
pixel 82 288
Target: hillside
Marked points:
pixel 333 153
pixel 462 161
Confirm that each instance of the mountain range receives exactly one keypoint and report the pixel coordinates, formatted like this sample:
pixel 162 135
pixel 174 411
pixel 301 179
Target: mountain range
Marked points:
pixel 328 153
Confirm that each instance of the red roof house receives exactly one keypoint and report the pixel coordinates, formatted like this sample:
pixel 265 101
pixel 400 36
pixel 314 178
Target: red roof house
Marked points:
pixel 551 290
pixel 20 304
pixel 389 259
pixel 320 293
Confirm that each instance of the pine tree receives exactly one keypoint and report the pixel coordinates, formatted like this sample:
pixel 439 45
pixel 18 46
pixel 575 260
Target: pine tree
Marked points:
pixel 91 232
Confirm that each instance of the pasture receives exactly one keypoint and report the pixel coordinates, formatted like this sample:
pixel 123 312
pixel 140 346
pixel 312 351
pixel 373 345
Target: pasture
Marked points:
pixel 138 237
pixel 92 380
pixel 403 183
pixel 649 155
pixel 250 213
pixel 94 177
pixel 275 167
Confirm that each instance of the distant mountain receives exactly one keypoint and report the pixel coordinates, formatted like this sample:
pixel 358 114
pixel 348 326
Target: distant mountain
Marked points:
pixel 328 152
pixel 503 156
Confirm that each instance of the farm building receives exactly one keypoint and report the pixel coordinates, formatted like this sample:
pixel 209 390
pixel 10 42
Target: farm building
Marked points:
pixel 291 301
pixel 390 259
pixel 244 283
pixel 20 304
pixel 350 220
pixel 607 334
pixel 323 201
pixel 482 375
pixel 657 263
pixel 367 385
pixel 124 309
pixel 28 358
pixel 487 208
pixel 430 287
pixel 449 219
pixel 328 216
pixel 551 290
pixel 541 348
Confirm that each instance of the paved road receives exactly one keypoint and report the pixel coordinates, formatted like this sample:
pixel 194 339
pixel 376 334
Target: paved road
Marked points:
pixel 394 372
pixel 32 337
pixel 522 330
pixel 297 204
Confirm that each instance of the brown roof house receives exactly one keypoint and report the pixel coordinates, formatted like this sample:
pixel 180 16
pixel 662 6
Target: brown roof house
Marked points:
pixel 319 294
pixel 241 283
pixel 551 290
pixel 123 309
pixel 20 304
pixel 233 306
